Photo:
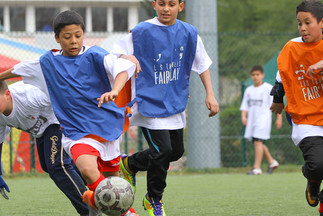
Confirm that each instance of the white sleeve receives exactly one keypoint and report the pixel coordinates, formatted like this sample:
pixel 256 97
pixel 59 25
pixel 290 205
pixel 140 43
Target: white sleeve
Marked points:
pixel 270 97
pixel 278 78
pixel 244 103
pixel 37 97
pixel 114 65
pixel 31 73
pixel 4 131
pixel 202 61
pixel 124 46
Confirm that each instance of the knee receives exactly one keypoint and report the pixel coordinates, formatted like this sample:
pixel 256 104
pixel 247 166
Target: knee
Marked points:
pixel 319 165
pixel 88 173
pixel 56 167
pixel 177 154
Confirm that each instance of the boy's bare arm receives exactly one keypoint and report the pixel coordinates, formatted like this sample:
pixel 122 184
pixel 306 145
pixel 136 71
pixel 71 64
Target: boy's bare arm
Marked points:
pixel 7 74
pixel 244 117
pixel 134 60
pixel 277 108
pixel 279 121
pixel 119 82
pixel 210 100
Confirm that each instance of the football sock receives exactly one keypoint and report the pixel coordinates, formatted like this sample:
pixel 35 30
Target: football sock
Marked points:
pixel 321 208
pixel 96 183
pixel 130 210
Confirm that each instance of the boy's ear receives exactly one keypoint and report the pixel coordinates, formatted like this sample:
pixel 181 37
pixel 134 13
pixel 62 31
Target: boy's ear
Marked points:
pixel 56 38
pixel 181 6
pixel 154 4
pixel 7 93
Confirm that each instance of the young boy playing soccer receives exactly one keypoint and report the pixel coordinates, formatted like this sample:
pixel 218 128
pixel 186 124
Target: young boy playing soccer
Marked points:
pixel 27 108
pixel 304 94
pixel 167 49
pixel 257 117
pixel 79 79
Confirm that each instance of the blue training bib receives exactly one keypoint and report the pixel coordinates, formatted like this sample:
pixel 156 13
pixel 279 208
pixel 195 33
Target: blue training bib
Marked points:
pixel 74 84
pixel 166 55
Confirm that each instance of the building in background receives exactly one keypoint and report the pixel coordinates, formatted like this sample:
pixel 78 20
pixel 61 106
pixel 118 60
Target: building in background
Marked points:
pixel 32 16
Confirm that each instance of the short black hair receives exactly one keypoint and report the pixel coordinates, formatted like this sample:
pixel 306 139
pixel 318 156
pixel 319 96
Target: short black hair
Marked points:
pixel 68 17
pixel 178 0
pixel 257 68
pixel 3 87
pixel 315 7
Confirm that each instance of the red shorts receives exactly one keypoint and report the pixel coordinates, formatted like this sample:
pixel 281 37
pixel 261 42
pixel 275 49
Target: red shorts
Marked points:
pixel 104 166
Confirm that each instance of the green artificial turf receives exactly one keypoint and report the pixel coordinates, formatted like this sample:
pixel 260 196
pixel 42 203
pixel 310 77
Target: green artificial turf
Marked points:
pixel 187 194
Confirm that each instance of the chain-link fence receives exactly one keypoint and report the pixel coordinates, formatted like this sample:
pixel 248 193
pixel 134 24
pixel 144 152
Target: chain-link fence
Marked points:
pixel 237 53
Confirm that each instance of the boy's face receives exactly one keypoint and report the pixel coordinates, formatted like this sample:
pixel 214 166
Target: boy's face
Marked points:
pixel 71 39
pixel 167 10
pixel 5 103
pixel 309 28
pixel 257 76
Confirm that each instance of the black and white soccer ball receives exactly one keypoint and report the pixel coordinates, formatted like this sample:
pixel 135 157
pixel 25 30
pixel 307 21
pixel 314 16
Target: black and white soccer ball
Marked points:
pixel 114 196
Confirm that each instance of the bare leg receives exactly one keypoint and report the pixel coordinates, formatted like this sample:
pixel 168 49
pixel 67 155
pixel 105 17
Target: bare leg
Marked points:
pixel 88 167
pixel 267 154
pixel 259 151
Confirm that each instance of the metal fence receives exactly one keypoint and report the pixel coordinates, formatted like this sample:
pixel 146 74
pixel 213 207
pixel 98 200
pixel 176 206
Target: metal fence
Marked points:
pixel 237 53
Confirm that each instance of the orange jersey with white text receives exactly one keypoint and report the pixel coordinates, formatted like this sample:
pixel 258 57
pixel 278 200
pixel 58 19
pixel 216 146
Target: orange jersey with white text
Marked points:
pixel 304 94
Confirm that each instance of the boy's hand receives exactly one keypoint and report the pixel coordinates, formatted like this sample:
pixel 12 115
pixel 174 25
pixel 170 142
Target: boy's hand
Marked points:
pixel 212 105
pixel 3 186
pixel 107 97
pixel 277 108
pixel 134 60
pixel 317 66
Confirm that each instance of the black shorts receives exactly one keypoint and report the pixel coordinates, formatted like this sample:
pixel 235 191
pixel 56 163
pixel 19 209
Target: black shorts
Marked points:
pixel 258 139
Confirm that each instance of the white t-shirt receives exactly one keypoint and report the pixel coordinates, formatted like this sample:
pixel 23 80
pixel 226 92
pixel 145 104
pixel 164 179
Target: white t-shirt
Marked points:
pixel 201 63
pixel 257 101
pixel 31 73
pixel 32 111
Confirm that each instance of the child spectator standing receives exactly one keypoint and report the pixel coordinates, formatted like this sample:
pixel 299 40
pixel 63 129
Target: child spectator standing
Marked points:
pixel 167 49
pixel 257 117
pixel 79 79
pixel 27 108
pixel 304 94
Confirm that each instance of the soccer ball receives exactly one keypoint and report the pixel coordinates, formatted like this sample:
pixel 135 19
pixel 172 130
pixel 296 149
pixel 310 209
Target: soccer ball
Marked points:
pixel 114 196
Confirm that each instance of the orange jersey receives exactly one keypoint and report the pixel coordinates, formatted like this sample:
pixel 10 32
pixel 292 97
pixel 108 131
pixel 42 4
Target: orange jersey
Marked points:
pixel 304 94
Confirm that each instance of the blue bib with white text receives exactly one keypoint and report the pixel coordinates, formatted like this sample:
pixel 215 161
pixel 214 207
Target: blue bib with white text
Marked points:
pixel 74 84
pixel 166 55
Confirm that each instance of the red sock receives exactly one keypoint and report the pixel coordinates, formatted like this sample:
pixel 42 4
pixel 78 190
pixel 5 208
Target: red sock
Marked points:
pixel 132 210
pixel 321 208
pixel 93 186
pixel 96 183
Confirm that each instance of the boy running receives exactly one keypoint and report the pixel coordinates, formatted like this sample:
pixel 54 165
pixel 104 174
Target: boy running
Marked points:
pixel 304 94
pixel 79 79
pixel 167 50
